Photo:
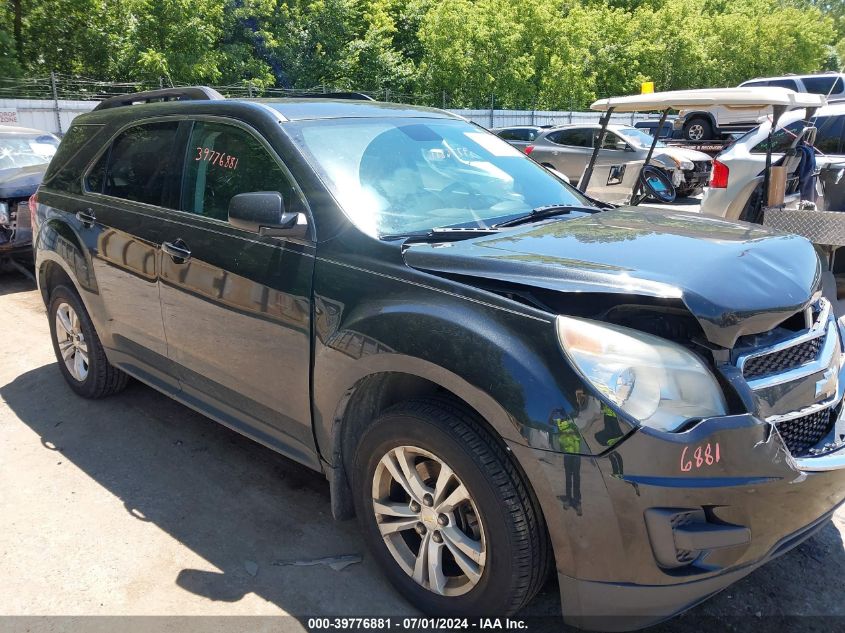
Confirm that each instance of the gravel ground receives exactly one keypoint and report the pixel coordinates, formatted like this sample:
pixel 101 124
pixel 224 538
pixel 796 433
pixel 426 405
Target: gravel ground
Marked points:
pixel 136 505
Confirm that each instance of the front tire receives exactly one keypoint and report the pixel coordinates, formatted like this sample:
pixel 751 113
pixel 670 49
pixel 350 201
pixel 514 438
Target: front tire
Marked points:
pixel 81 357
pixel 446 514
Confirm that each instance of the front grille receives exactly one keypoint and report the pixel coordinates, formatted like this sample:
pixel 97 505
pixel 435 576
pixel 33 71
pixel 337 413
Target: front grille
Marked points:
pixel 783 360
pixel 803 433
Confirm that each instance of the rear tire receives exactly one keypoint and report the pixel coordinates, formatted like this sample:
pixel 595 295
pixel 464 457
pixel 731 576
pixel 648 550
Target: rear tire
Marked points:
pixel 698 129
pixel 495 521
pixel 82 359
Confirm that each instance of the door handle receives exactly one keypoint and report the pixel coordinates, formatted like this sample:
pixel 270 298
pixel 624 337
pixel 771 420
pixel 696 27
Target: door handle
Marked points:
pixel 86 217
pixel 178 251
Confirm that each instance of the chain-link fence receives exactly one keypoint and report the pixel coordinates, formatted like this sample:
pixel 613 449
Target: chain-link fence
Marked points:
pixel 51 103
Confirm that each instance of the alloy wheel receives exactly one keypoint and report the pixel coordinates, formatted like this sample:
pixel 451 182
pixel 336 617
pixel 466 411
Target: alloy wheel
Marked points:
pixel 695 132
pixel 71 341
pixel 429 521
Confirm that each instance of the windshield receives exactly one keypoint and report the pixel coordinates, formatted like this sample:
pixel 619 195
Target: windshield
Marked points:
pixel 638 138
pixel 401 176
pixel 23 150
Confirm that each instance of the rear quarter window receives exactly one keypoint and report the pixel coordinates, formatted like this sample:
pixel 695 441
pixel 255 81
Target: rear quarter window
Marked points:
pixel 66 166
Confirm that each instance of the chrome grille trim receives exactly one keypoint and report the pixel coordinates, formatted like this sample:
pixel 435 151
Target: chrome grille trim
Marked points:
pixel 824 326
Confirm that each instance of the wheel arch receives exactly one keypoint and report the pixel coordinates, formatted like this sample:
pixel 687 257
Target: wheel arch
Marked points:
pixel 61 257
pixel 379 390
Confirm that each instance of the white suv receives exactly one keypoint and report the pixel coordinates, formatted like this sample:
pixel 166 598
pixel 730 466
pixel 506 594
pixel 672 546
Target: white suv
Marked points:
pixel 717 121
pixel 738 170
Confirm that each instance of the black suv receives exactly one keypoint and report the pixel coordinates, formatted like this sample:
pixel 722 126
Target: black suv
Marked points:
pixel 493 373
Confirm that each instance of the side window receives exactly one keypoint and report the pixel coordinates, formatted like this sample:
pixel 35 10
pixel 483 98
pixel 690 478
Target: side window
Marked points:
pixel 574 137
pixel 509 135
pixel 142 163
pixel 823 85
pixel 611 141
pixel 829 134
pixel 784 83
pixel 223 161
pixel 530 135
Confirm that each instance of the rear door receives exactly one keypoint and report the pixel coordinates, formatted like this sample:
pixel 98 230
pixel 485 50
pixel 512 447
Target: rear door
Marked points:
pixel 126 195
pixel 236 305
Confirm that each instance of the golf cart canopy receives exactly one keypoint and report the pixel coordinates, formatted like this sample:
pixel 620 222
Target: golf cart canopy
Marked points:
pixel 738 98
pixel 780 100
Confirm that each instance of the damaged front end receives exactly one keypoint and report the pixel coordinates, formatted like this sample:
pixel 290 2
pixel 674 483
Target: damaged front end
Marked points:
pixel 736 456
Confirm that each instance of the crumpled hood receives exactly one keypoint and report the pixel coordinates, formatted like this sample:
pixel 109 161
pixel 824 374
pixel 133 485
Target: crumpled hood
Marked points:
pixel 735 278
pixel 20 182
pixel 682 153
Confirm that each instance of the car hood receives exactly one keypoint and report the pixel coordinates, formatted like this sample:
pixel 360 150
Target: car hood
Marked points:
pixel 682 153
pixel 735 278
pixel 20 182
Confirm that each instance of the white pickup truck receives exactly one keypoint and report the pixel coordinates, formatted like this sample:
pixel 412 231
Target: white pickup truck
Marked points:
pixel 714 122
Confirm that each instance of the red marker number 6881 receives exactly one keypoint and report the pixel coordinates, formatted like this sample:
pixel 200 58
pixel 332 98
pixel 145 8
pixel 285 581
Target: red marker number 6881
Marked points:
pixel 702 456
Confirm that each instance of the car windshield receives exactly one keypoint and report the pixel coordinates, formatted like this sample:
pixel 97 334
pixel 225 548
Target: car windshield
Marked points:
pixel 401 176
pixel 638 138
pixel 24 150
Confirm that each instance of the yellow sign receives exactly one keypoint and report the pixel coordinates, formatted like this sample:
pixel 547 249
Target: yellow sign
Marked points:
pixel 648 87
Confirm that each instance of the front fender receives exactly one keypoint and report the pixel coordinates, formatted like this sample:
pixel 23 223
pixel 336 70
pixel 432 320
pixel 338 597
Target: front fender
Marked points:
pixel 506 365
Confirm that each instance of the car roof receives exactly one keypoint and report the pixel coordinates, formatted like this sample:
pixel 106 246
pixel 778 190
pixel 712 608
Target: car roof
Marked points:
pixel 807 76
pixel 294 109
pixel 289 109
pixel 593 126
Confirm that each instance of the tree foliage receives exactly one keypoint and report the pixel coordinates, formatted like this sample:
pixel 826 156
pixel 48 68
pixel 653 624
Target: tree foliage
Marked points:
pixel 532 53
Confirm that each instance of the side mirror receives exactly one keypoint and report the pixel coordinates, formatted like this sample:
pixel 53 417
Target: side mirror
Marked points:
pixel 621 146
pixel 263 212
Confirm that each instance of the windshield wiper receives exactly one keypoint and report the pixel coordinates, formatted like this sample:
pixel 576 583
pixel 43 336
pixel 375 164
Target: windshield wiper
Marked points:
pixel 441 234
pixel 547 211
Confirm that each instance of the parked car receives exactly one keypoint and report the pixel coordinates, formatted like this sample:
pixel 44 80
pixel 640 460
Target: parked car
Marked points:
pixel 24 155
pixel 737 171
pixel 495 375
pixel 715 122
pixel 519 136
pixel 568 149
pixel 650 127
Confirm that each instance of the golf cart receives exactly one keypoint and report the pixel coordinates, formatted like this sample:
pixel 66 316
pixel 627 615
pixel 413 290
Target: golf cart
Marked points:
pixel 651 182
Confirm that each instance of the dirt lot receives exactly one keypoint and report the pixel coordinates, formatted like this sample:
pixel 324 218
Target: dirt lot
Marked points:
pixel 136 505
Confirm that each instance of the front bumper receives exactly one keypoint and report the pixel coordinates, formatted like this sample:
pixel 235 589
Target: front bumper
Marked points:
pixel 611 562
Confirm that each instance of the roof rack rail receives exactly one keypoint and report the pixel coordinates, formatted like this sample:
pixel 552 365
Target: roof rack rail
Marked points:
pixel 353 96
pixel 190 93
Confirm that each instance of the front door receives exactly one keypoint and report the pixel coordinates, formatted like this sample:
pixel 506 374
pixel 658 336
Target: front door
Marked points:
pixel 236 305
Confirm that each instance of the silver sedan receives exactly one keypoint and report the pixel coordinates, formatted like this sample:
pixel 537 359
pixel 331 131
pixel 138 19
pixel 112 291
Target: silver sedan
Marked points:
pixel 568 149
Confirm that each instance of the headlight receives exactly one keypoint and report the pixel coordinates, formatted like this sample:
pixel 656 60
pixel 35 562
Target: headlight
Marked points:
pixel 683 165
pixel 657 382
pixel 4 213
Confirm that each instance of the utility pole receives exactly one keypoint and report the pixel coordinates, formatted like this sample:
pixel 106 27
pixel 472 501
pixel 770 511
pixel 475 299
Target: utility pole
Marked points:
pixel 17 11
pixel 56 102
